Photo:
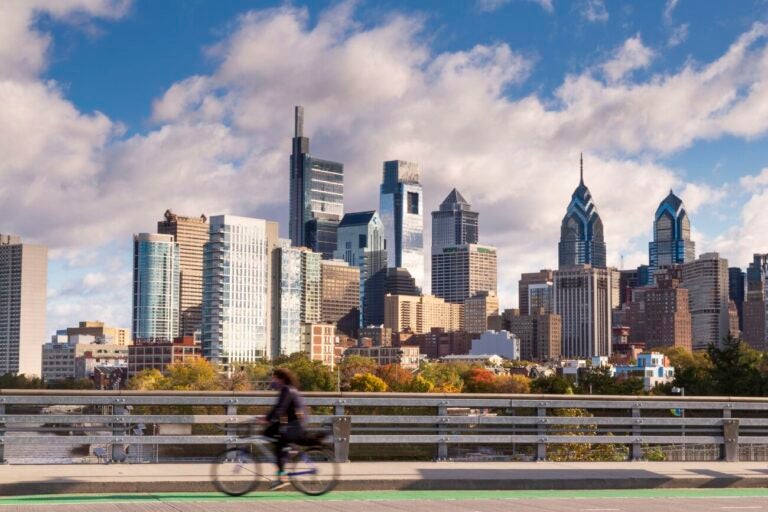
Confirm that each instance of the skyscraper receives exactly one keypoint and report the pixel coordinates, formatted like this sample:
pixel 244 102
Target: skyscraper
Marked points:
pixel 23 281
pixel 461 271
pixel 756 305
pixel 402 212
pixel 340 295
pixel 361 244
pixel 581 232
pixel 667 313
pixel 477 309
pixel 317 195
pixel 297 295
pixel 454 223
pixel 191 234
pixel 583 299
pixel 707 282
pixel 155 288
pixel 541 281
pixel 737 291
pixel 237 290
pixel 672 243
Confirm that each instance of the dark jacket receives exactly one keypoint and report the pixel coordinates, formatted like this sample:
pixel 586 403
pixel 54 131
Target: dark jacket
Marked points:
pixel 289 408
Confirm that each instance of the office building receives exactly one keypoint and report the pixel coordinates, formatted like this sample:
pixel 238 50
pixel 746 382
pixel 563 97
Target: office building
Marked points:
pixel 438 342
pixel 237 290
pixel 361 244
pixel 628 280
pixel 461 271
pixel 297 296
pixel 672 243
pixel 420 315
pixel 23 282
pixel 399 282
pixel 581 232
pixel 340 295
pixel 756 304
pixel 191 234
pixel 501 343
pixel 155 288
pixel 582 298
pixel 320 343
pixel 402 213
pixel 71 356
pixel 707 282
pixel 667 321
pixel 540 333
pixel 542 283
pixel 375 336
pixel 102 333
pixel 316 195
pixel 477 309
pixel 159 356
pixel 407 357
pixel 454 223
pixel 737 291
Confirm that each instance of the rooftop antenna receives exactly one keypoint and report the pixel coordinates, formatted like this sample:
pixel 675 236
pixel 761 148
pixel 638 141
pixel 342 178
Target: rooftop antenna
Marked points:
pixel 622 262
pixel 581 165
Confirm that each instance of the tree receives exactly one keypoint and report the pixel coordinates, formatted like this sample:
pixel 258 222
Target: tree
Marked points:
pixel 736 369
pixel 445 377
pixel 148 380
pixel 552 385
pixel 518 384
pixel 367 382
pixel 420 385
pixel 479 380
pixel 351 366
pixel 312 375
pixel 396 377
pixel 194 375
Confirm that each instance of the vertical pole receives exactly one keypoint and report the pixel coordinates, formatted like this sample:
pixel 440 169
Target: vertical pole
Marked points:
pixel 541 446
pixel 2 431
pixel 731 440
pixel 637 432
pixel 231 428
pixel 118 430
pixel 442 432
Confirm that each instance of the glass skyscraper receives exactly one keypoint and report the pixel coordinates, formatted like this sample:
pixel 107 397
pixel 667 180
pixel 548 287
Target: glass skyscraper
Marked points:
pixel 361 244
pixel 581 232
pixel 401 208
pixel 299 295
pixel 156 280
pixel 237 290
pixel 317 195
pixel 454 223
pixel 672 243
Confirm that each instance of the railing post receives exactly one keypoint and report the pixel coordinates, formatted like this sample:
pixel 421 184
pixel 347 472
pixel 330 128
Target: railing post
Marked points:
pixel 637 432
pixel 731 440
pixel 231 428
pixel 118 430
pixel 541 431
pixel 342 428
pixel 2 431
pixel 442 432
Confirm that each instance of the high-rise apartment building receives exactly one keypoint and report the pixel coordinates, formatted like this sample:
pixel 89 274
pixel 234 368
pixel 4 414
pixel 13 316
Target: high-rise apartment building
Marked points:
pixel 667 321
pixel 340 295
pixel 399 282
pixel 707 282
pixel 629 279
pixel 737 291
pixel 672 243
pixel 317 195
pixel 155 288
pixel 420 315
pixel 297 295
pixel 23 283
pixel 756 304
pixel 439 343
pixel 477 309
pixel 191 234
pixel 237 290
pixel 583 299
pixel 454 223
pixel 461 271
pixel 539 332
pixel 361 244
pixel 581 232
pixel 402 213
pixel 542 281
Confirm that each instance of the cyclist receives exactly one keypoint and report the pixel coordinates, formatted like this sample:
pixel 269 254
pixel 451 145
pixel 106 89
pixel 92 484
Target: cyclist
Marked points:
pixel 286 420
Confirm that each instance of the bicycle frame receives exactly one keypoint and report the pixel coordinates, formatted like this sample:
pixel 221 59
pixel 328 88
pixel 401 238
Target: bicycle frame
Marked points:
pixel 262 443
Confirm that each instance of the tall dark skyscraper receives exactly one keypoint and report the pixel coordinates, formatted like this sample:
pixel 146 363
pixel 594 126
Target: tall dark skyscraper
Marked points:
pixel 672 243
pixel 581 233
pixel 317 195
pixel 756 303
pixel 737 291
pixel 454 223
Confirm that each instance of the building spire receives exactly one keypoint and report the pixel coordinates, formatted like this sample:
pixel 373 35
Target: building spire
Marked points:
pixel 298 121
pixel 581 171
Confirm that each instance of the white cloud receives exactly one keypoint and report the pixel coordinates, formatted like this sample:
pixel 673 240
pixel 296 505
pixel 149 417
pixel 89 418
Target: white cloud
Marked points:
pixel 668 8
pixel 493 5
pixel 594 11
pixel 371 93
pixel 632 55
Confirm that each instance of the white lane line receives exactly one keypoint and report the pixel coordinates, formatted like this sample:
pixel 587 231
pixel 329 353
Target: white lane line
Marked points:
pixel 599 509
pixel 741 508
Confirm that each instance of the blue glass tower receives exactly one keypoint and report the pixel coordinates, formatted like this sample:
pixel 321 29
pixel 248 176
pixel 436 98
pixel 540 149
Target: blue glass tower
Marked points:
pixel 155 288
pixel 581 232
pixel 672 243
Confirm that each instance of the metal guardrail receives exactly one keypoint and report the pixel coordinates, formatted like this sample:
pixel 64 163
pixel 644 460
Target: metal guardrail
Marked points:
pixel 443 420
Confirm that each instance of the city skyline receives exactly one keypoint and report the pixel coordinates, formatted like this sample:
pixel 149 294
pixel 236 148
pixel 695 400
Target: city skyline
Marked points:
pixel 203 145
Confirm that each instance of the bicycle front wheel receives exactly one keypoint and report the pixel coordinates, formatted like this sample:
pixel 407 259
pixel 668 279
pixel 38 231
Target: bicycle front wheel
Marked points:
pixel 236 472
pixel 313 471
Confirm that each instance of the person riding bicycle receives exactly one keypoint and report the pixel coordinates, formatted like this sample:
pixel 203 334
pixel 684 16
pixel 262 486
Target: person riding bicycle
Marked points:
pixel 286 421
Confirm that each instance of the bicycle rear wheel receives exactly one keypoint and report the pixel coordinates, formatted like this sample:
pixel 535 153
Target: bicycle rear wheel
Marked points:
pixel 236 472
pixel 313 471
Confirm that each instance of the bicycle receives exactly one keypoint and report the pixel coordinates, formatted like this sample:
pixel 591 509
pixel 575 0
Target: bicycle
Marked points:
pixel 310 466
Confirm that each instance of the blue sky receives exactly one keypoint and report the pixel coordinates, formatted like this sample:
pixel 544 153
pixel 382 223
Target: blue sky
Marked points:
pixel 116 110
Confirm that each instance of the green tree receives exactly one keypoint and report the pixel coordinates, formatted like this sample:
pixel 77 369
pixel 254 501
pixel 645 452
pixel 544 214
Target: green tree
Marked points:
pixel 148 380
pixel 516 384
pixel 736 369
pixel 195 375
pixel 351 366
pixel 445 377
pixel 552 385
pixel 312 375
pixel 420 385
pixel 367 382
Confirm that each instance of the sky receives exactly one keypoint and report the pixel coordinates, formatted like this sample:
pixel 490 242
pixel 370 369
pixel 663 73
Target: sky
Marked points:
pixel 112 111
